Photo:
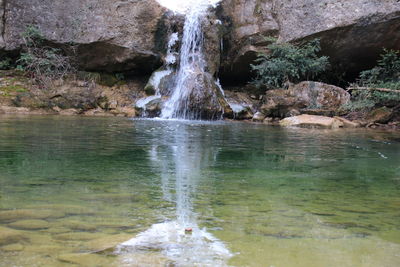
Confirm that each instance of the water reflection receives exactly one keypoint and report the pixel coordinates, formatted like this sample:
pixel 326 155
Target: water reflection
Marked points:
pixel 181 156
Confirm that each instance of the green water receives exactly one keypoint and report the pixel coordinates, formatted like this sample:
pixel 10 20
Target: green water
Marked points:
pixel 73 189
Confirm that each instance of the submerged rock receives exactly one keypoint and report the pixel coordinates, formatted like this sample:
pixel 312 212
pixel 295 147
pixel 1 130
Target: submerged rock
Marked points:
pixel 30 224
pixel 9 236
pixel 82 259
pixel 76 225
pixel 77 236
pixel 107 242
pixel 12 248
pixel 24 214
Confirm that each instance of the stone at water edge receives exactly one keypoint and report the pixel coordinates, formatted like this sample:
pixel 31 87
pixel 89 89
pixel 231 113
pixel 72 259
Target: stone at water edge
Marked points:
pixel 243 107
pixel 69 112
pixel 258 116
pixel 347 123
pixel 380 115
pixel 312 121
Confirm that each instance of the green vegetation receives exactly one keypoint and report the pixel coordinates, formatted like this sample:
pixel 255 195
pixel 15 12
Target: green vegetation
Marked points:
pixel 379 86
pixel 288 63
pixel 42 62
pixel 6 64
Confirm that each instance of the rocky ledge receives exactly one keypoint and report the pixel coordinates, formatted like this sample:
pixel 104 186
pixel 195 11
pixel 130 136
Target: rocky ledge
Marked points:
pixel 307 104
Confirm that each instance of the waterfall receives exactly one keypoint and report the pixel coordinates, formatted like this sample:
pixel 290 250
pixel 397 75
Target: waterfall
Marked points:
pixel 186 87
pixel 191 77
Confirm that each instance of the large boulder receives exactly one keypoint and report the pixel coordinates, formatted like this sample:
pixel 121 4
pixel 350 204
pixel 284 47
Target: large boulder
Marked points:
pixel 110 35
pixel 312 121
pixel 204 98
pixel 306 97
pixel 352 32
pixel 320 95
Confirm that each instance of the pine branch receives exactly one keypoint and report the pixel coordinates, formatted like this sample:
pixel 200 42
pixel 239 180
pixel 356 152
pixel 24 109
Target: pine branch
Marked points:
pixel 373 89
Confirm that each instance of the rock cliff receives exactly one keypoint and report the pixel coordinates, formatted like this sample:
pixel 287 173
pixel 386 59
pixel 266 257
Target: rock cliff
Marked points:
pixel 352 32
pixel 130 34
pixel 109 35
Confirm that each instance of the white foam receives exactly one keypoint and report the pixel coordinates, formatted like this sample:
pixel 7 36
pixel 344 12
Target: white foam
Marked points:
pixel 236 108
pixel 183 6
pixel 199 248
pixel 141 103
pixel 171 56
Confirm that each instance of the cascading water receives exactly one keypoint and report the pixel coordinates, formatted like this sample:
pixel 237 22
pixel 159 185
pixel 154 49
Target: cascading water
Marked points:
pixel 191 61
pixel 187 99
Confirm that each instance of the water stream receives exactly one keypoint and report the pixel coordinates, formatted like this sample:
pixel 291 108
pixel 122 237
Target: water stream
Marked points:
pixel 191 78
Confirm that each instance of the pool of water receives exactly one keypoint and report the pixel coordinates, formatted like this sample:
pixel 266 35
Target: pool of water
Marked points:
pixel 119 192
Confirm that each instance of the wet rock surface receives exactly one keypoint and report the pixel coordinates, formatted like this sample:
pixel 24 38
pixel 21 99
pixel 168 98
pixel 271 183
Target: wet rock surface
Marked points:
pixel 243 107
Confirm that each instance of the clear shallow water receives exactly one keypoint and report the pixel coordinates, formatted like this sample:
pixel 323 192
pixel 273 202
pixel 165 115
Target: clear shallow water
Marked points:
pixel 117 192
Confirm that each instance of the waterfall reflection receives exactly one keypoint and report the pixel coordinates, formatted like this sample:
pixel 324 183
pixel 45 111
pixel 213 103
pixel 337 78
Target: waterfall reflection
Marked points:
pixel 181 156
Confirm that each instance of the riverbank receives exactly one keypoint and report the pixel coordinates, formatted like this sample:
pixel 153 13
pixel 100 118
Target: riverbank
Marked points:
pixel 94 94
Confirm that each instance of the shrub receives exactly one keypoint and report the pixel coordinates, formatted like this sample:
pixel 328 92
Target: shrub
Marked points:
pixel 5 64
pixel 386 73
pixel 367 91
pixel 288 63
pixel 43 62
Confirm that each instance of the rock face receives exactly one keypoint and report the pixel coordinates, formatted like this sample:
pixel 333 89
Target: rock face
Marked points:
pixel 352 32
pixel 68 97
pixel 2 9
pixel 110 35
pixel 306 97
